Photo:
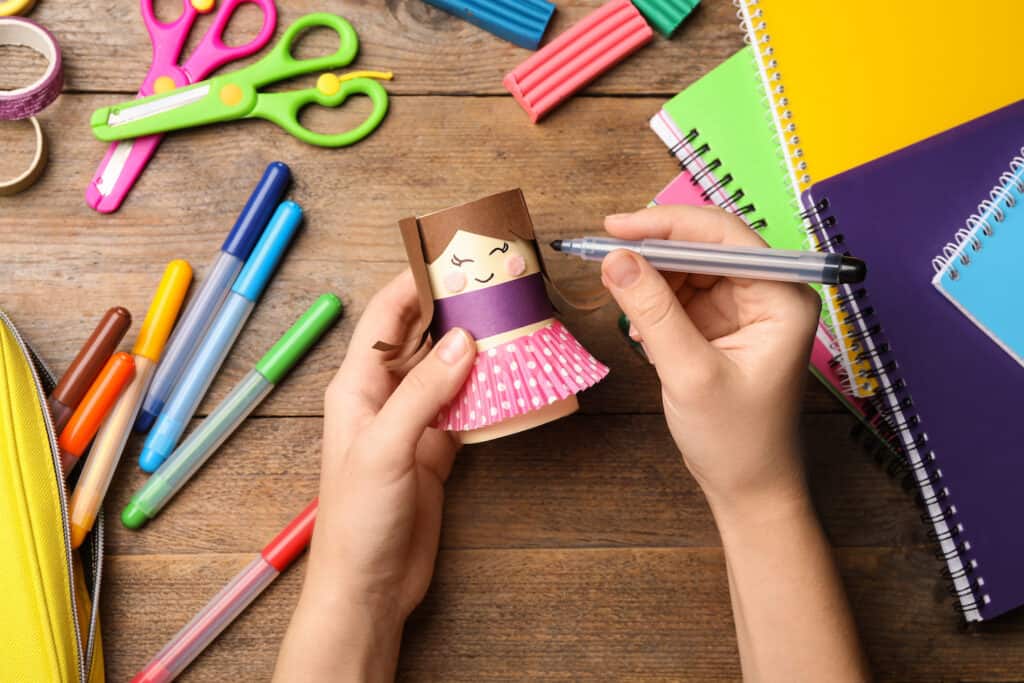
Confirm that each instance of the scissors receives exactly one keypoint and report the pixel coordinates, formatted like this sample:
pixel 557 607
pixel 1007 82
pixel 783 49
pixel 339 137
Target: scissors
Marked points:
pixel 237 95
pixel 124 162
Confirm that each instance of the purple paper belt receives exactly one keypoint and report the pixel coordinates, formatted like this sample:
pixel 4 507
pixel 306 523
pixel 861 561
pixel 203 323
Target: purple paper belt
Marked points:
pixel 493 310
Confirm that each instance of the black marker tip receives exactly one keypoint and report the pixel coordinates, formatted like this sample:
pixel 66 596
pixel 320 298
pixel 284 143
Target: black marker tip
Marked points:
pixel 556 245
pixel 852 270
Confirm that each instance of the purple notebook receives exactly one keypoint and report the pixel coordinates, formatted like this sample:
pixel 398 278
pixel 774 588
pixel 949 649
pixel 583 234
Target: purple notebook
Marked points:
pixel 954 395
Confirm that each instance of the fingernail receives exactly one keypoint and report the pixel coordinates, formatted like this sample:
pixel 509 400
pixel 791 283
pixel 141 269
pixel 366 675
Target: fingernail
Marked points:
pixel 621 268
pixel 453 346
pixel 634 334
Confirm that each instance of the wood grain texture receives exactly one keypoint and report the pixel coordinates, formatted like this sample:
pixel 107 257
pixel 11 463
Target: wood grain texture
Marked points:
pixel 559 561
pixel 106 47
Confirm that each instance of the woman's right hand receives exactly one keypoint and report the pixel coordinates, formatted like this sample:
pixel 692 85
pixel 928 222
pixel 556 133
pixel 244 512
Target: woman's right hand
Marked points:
pixel 731 354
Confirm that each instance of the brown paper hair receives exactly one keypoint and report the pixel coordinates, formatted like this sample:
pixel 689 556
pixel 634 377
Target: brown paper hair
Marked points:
pixel 501 216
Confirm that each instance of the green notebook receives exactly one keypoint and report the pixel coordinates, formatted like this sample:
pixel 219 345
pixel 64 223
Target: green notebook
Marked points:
pixel 721 132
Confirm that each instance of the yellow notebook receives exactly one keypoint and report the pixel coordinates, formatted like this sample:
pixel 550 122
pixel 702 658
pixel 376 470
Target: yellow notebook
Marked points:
pixel 854 81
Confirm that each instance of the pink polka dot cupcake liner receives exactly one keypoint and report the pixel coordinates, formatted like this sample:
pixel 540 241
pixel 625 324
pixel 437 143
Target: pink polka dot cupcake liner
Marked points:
pixel 520 376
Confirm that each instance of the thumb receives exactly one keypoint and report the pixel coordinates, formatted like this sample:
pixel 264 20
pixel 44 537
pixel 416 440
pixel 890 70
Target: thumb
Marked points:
pixel 428 387
pixel 671 338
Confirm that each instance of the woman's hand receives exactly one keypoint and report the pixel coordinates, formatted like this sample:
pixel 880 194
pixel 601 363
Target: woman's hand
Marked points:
pixel 381 493
pixel 731 354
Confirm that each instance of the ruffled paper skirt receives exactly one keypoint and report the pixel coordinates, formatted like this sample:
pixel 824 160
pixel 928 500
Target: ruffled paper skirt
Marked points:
pixel 520 376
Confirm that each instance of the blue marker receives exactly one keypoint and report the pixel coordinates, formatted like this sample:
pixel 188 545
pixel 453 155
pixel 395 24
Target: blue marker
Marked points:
pixel 210 354
pixel 198 315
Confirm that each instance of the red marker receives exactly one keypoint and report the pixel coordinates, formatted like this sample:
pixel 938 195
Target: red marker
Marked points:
pixel 232 600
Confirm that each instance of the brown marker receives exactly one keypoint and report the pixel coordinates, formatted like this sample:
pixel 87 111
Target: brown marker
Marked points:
pixel 82 372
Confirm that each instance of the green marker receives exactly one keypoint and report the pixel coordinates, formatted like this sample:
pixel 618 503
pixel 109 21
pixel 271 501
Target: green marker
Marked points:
pixel 236 406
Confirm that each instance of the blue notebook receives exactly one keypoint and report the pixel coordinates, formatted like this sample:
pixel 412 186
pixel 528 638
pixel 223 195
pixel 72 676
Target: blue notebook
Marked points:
pixel 980 271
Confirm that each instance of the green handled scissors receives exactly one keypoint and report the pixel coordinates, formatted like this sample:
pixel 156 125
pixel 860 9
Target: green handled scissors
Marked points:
pixel 236 95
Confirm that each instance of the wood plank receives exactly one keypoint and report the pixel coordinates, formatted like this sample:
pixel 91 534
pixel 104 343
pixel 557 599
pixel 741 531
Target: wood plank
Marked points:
pixel 106 47
pixel 495 615
pixel 66 264
pixel 542 489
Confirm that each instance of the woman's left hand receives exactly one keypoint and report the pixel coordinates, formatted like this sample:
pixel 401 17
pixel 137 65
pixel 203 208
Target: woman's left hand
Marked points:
pixel 381 494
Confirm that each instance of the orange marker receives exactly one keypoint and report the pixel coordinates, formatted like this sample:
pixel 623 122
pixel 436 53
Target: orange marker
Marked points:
pixel 89 414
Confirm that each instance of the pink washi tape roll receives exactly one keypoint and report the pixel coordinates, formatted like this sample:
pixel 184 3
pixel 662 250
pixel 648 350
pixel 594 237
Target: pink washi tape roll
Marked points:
pixel 31 99
pixel 606 36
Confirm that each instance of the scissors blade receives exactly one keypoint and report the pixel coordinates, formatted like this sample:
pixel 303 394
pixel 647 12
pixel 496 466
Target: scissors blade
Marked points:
pixel 129 113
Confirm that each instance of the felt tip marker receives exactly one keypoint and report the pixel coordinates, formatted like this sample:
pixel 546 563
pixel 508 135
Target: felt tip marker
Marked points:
pixel 211 352
pixel 199 313
pixel 202 443
pixel 99 468
pixel 87 365
pixel 758 263
pixel 231 601
pixel 95 406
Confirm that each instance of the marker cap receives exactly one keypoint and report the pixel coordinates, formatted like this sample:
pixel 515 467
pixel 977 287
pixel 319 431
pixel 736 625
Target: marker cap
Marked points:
pixel 310 326
pixel 91 358
pixel 163 310
pixel 98 401
pixel 257 211
pixel 268 251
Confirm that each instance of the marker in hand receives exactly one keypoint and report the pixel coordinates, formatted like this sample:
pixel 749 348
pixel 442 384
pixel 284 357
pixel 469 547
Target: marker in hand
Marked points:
pixel 758 263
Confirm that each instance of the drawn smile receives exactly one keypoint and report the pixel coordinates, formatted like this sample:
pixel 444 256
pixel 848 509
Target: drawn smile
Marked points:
pixel 489 278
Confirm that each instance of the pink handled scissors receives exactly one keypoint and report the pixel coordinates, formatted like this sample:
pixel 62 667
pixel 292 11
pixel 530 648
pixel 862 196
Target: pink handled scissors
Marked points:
pixel 125 160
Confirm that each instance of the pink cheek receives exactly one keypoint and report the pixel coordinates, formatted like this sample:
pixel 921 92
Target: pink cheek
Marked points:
pixel 455 281
pixel 515 265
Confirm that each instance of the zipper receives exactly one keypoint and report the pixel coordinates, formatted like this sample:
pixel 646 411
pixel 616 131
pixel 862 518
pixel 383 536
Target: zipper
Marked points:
pixel 55 456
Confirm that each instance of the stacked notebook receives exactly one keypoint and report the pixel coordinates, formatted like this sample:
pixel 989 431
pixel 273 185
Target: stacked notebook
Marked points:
pixel 950 390
pixel 723 138
pixel 852 81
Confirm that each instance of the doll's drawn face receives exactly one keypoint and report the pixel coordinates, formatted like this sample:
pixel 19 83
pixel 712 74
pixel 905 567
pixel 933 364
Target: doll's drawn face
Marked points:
pixel 472 262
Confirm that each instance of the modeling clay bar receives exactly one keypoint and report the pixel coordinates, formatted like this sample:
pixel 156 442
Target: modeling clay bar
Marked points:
pixel 666 15
pixel 578 56
pixel 521 22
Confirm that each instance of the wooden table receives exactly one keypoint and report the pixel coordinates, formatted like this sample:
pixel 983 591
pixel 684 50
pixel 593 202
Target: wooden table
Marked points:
pixel 579 550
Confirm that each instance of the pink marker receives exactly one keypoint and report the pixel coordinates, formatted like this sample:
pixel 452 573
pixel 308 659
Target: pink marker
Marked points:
pixel 572 60
pixel 124 161
pixel 232 600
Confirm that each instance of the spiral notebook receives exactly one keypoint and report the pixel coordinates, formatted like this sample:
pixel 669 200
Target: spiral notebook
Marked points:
pixel 852 81
pixel 720 131
pixel 952 394
pixel 980 271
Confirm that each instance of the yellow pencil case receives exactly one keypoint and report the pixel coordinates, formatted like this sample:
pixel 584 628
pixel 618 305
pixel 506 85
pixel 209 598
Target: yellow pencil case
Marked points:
pixel 49 624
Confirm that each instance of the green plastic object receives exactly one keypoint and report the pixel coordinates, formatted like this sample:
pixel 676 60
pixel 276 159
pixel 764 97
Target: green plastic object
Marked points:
pixel 276 362
pixel 236 95
pixel 133 516
pixel 666 15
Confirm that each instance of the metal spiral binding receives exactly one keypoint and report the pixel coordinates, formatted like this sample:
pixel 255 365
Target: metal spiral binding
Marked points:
pixel 690 152
pixel 892 412
pixel 957 255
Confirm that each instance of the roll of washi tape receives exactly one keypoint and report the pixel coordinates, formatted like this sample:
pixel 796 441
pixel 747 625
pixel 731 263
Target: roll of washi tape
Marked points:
pixel 11 7
pixel 31 99
pixel 35 169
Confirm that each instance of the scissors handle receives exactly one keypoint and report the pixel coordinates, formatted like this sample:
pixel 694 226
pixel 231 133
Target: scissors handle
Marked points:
pixel 168 39
pixel 279 64
pixel 213 53
pixel 283 109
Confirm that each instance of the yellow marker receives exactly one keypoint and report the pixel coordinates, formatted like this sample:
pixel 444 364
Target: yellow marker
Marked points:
pixel 106 449
pixel 163 84
pixel 231 94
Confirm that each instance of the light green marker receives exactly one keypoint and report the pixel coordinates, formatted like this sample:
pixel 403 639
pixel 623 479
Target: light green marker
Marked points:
pixel 236 406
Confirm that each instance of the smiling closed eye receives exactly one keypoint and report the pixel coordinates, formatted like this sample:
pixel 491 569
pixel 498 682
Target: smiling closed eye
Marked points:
pixel 457 262
pixel 503 248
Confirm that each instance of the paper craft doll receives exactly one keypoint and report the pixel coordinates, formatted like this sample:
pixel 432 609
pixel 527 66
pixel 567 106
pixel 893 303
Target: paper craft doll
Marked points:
pixel 477 266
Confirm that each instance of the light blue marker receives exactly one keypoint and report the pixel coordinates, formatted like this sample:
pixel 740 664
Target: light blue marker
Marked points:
pixel 208 357
pixel 200 312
